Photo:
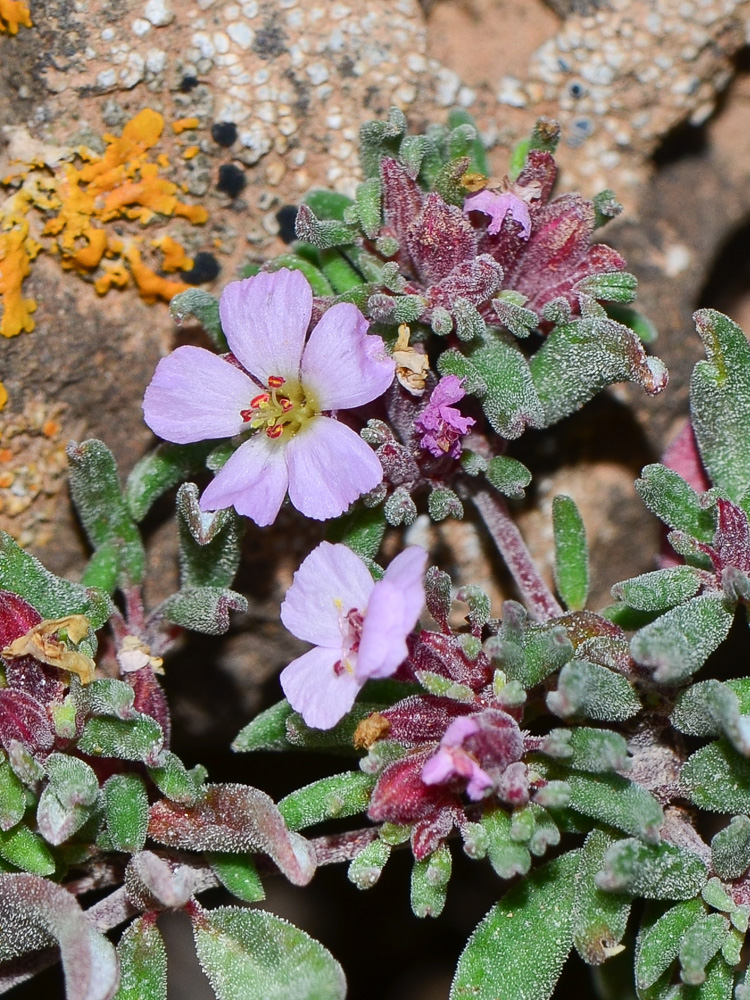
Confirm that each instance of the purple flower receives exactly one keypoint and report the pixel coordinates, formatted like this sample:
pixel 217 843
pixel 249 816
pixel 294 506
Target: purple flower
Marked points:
pixel 359 627
pixel 440 424
pixel 283 391
pixel 497 206
pixel 452 761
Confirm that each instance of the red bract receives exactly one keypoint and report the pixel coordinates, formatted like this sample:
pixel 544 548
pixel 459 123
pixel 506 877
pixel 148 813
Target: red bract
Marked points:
pixel 442 654
pixel 24 719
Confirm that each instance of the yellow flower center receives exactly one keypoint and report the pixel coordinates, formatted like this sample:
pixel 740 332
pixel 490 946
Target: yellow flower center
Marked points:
pixel 281 411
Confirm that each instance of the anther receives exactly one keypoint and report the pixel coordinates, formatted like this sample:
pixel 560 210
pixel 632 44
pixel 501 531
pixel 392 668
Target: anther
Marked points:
pixel 275 431
pixel 275 381
pixel 260 400
pixel 285 404
pixel 246 415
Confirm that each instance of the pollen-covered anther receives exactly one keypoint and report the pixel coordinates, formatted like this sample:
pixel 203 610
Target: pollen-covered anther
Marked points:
pixel 260 401
pixel 275 381
pixel 275 431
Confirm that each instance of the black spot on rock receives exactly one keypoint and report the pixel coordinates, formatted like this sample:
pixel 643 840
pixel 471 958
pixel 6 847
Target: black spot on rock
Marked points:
pixel 188 83
pixel 270 41
pixel 286 217
pixel 224 133
pixel 205 268
pixel 231 179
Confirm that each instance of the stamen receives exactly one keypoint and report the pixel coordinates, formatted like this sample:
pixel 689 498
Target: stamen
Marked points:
pixel 275 431
pixel 246 415
pixel 285 404
pixel 275 381
pixel 261 400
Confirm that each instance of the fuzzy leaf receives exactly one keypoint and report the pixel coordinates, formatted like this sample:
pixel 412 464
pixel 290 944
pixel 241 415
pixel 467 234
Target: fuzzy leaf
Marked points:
pixel 236 819
pixel 97 495
pixel 675 502
pixel 599 918
pixel 718 779
pixel 29 904
pixel 340 795
pixel 581 358
pixel 267 731
pixel 614 800
pixel 720 402
pixel 659 944
pixel 699 944
pixel 443 503
pixel 660 871
pixel 202 609
pixel 657 591
pixel 508 476
pixel 365 869
pixel 294 262
pixel 592 691
pixel 209 542
pixel 105 696
pixel 203 307
pixel 161 469
pixel 429 883
pixel 174 781
pixel 680 642
pixel 362 529
pixel 711 708
pixel 323 234
pixel 138 739
pixel 26 850
pixel 238 874
pixel 328 204
pixel 252 955
pixel 614 286
pixel 595 750
pixel 67 801
pixel 368 206
pixel 514 317
pixel 23 574
pixel 143 962
pixel 507 857
pixel 571 553
pixel 518 950
pixel 730 849
pixel 126 811
pixel 12 797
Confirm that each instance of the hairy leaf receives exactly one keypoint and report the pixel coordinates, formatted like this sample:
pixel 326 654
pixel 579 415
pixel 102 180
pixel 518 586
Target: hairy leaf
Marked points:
pixel 718 779
pixel 596 692
pixel 657 591
pixel 161 469
pixel 209 542
pixel 126 811
pixel 614 800
pixel 202 609
pixel 571 553
pixel 340 795
pixel 679 643
pixel 654 871
pixel 730 849
pixel 675 502
pixel 429 882
pixel 659 943
pixel 599 918
pixel 143 962
pixel 238 874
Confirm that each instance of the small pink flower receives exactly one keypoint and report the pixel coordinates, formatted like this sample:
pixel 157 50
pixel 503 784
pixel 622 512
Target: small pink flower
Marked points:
pixel 359 627
pixel 452 761
pixel 284 391
pixel 441 424
pixel 497 205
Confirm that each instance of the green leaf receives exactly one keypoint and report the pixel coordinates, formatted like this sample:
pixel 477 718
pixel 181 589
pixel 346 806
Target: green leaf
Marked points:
pixel 699 944
pixel 294 262
pixel 203 307
pixel 654 871
pixel 368 206
pixel 582 357
pixel 720 402
pixel 471 142
pixel 160 470
pixel 718 779
pixel 610 286
pixel 676 645
pixel 238 874
pixel 508 476
pixel 328 204
pixel 12 797
pixel 97 495
pixel 711 708
pixel 675 502
pixel 26 850
pixel 587 749
pixel 599 918
pixel 614 800
pixel 443 503
pixel 323 234
pixel 252 955
pixel 137 739
pixel 202 609
pixel 174 780
pixel 126 811
pixel 513 316
pixel 340 795
pixel 366 868
pixel 730 849
pixel 519 949
pixel 209 542
pixel 641 325
pixel 267 731
pixel 143 962
pixel 429 883
pixel 362 529
pixel 659 943
pixel 589 690
pixel 23 574
pixel 571 553
pixel 506 856
pixel 657 591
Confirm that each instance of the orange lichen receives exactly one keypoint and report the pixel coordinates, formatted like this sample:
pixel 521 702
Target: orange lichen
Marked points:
pixel 3 395
pixel 12 14
pixel 79 199
pixel 190 152
pixel 182 124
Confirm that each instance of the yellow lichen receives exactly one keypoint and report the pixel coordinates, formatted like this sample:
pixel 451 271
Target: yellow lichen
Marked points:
pixel 79 199
pixel 190 152
pixel 3 395
pixel 13 13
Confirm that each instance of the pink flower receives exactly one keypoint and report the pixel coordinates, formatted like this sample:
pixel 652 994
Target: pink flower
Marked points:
pixel 359 627
pixel 440 424
pixel 452 761
pixel 497 206
pixel 284 391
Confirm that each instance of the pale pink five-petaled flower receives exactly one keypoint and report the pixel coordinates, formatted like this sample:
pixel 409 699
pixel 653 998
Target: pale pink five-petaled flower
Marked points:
pixel 359 627
pixel 285 391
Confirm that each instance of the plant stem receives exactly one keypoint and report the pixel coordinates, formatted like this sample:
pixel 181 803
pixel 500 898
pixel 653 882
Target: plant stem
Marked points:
pixel 494 512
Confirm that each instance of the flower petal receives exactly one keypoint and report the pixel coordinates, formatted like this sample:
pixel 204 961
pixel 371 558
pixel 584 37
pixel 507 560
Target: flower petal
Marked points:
pixel 342 363
pixel 265 319
pixel 330 582
pixel 196 396
pixel 253 481
pixel 329 467
pixel 392 613
pixel 316 691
